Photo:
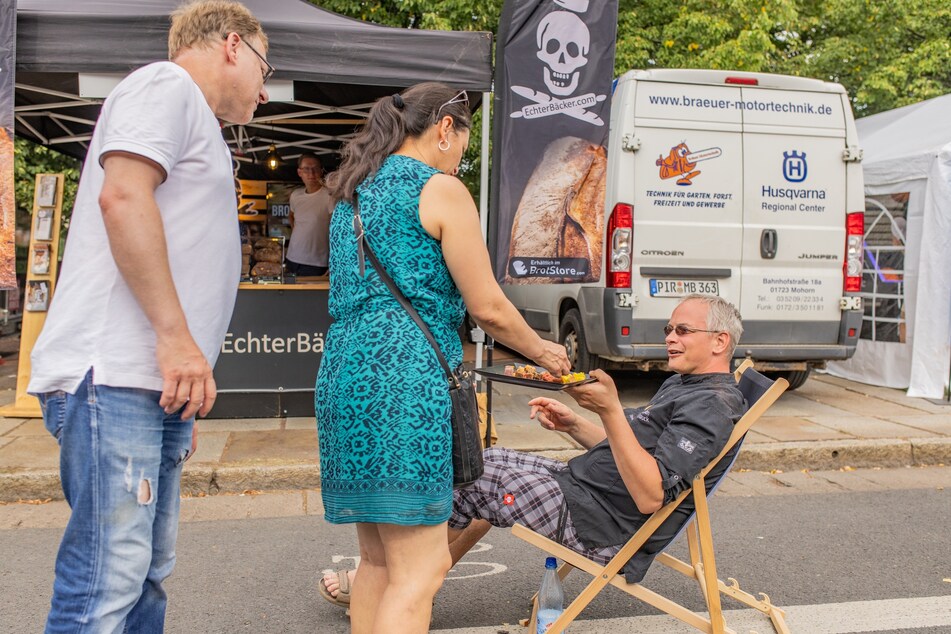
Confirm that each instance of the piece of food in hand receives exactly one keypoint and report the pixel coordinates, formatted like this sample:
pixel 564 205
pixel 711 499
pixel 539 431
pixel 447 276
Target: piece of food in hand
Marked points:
pixel 573 377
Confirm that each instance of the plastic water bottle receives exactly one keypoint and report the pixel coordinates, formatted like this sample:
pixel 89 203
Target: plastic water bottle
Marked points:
pixel 551 597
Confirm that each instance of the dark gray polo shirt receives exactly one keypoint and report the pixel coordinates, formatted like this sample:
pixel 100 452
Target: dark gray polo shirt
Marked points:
pixel 685 426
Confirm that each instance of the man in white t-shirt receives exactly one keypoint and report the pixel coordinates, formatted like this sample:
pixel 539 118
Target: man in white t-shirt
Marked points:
pixel 148 284
pixel 311 206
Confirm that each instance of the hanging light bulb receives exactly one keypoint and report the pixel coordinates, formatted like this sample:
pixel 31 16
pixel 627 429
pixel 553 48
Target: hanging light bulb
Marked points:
pixel 273 159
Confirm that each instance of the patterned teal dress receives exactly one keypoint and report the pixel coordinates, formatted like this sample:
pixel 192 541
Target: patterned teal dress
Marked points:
pixel 382 398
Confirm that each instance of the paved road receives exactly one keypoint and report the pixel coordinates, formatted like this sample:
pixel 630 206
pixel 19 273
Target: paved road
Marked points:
pixel 846 552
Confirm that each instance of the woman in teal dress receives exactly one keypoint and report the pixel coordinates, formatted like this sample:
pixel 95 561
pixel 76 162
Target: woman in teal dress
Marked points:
pixel 382 399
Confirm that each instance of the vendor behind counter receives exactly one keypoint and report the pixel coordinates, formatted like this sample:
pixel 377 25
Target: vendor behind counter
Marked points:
pixel 310 208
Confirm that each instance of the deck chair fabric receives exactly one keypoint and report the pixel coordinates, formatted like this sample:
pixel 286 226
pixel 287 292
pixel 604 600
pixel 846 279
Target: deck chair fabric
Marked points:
pixel 665 525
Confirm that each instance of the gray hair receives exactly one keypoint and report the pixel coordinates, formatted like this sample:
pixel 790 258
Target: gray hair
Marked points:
pixel 722 316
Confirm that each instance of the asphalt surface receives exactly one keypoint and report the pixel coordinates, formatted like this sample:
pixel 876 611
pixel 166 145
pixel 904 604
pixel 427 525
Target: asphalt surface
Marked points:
pixel 835 560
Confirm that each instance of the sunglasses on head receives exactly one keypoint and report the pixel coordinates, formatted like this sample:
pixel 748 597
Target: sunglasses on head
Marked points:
pixel 682 330
pixel 462 97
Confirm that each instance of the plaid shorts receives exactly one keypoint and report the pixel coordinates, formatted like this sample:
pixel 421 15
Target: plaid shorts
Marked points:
pixel 519 488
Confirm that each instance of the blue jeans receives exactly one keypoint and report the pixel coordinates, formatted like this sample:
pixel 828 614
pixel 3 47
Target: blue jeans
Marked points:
pixel 121 460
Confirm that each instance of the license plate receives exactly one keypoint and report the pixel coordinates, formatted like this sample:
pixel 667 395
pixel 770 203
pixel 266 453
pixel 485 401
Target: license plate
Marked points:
pixel 679 288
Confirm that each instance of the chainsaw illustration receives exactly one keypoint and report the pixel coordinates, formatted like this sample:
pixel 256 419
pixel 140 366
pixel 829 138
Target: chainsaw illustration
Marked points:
pixel 680 162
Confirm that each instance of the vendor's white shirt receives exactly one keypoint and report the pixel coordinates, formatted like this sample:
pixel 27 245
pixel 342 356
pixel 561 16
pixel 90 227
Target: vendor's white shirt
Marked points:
pixel 94 321
pixel 310 242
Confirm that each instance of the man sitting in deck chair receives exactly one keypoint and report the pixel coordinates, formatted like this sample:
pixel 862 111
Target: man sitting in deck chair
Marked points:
pixel 638 461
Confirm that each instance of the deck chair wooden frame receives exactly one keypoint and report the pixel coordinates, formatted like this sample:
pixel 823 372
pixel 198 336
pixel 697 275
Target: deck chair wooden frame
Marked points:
pixel 702 565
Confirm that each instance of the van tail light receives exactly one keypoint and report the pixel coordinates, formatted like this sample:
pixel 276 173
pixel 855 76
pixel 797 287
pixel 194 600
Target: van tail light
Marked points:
pixel 620 243
pixel 854 234
pixel 742 81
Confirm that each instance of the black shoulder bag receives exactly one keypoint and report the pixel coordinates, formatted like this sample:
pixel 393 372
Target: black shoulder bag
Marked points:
pixel 467 461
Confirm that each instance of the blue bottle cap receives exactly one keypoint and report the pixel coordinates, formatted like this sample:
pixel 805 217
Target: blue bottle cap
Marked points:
pixel 551 562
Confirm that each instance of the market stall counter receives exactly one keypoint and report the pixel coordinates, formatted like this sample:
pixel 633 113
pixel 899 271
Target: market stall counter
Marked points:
pixel 269 358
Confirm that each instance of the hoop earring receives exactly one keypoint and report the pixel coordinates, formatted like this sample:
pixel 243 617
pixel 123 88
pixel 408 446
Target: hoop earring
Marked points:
pixel 441 148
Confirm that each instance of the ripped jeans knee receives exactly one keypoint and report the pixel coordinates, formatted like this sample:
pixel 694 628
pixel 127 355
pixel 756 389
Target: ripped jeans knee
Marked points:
pixel 121 458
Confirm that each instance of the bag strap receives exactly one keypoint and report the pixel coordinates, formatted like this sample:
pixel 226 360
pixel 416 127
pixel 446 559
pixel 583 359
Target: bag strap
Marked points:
pixel 363 246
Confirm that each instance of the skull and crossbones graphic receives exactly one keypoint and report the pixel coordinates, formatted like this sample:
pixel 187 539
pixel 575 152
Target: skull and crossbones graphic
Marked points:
pixel 564 44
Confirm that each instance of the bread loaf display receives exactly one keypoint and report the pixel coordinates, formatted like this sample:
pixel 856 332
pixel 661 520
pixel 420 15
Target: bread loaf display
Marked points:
pixel 266 269
pixel 561 212
pixel 270 254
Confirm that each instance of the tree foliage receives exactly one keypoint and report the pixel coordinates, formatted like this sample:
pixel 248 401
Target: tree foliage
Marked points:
pixel 444 15
pixel 887 53
pixel 30 159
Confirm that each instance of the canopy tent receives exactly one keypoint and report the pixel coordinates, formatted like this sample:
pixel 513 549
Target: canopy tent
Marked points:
pixel 907 169
pixel 330 69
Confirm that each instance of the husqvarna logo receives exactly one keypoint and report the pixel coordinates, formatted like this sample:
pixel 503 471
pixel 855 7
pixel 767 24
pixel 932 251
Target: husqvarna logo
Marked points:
pixel 794 166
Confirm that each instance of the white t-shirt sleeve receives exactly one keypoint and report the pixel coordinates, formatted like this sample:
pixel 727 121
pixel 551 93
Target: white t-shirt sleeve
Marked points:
pixel 148 117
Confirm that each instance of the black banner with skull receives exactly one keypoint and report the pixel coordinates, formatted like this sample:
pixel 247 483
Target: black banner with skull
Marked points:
pixel 551 112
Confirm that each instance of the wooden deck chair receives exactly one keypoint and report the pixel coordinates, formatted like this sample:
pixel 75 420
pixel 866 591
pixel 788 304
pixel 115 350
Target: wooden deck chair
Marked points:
pixel 760 393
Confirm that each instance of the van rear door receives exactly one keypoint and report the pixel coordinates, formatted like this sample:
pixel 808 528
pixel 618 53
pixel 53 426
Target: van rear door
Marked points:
pixel 794 219
pixel 688 207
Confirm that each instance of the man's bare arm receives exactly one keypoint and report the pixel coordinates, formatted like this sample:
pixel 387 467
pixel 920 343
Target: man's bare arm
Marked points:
pixel 133 223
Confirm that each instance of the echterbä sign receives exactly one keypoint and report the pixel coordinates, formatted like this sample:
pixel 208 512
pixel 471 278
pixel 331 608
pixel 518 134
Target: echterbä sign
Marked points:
pixel 275 340
pixel 252 343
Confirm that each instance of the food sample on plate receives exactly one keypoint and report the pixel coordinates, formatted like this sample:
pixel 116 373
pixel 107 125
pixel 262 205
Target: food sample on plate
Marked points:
pixel 536 374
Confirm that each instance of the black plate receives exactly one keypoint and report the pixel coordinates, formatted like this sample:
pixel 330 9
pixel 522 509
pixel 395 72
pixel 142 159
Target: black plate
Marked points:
pixel 497 373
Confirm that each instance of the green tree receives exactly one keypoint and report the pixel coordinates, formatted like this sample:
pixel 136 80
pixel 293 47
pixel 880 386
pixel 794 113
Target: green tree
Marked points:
pixel 887 53
pixel 444 15
pixel 737 35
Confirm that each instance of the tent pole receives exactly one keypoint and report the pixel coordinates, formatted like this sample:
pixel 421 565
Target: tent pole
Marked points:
pixel 479 337
pixel 484 165
pixel 484 222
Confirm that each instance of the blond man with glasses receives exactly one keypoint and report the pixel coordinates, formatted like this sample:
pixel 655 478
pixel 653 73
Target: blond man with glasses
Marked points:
pixel 149 279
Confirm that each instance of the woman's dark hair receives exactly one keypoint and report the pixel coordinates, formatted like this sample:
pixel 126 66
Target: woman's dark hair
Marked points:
pixel 390 121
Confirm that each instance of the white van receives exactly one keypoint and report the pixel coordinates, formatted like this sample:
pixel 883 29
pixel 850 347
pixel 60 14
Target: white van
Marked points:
pixel 743 185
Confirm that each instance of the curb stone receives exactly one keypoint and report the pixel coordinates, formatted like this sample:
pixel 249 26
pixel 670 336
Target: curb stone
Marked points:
pixel 931 450
pixel 30 485
pixel 205 479
pixel 824 455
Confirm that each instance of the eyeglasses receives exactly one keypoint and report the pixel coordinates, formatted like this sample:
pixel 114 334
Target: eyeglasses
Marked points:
pixel 682 330
pixel 270 69
pixel 462 97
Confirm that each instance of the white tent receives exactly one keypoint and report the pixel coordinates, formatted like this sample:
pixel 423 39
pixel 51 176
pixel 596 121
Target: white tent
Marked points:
pixel 908 159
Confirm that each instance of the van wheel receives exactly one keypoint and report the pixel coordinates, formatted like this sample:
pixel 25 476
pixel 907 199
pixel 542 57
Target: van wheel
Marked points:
pixel 571 336
pixel 796 378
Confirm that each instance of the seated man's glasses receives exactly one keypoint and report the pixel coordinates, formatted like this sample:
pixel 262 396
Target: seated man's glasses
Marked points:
pixel 682 330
